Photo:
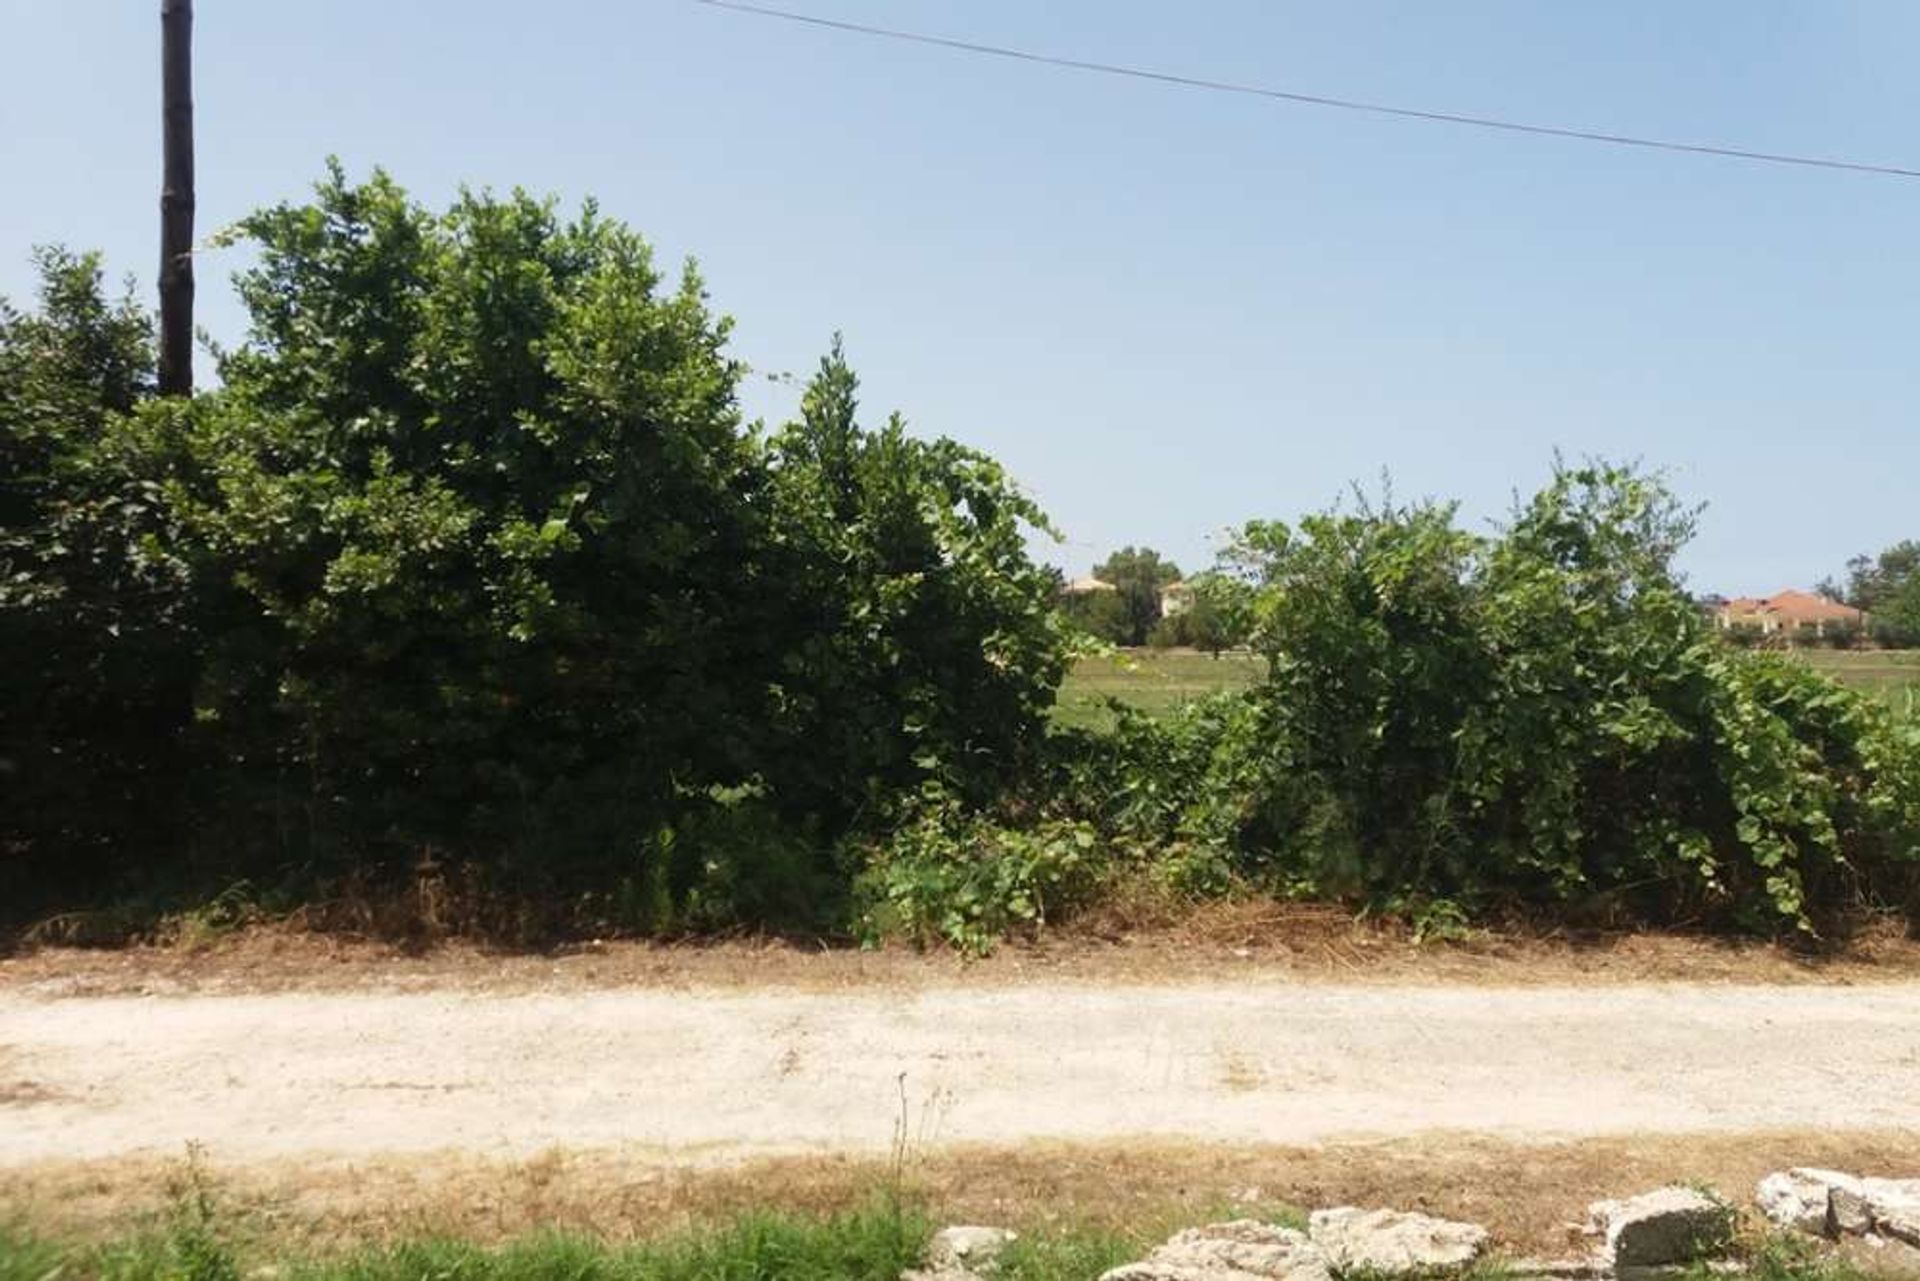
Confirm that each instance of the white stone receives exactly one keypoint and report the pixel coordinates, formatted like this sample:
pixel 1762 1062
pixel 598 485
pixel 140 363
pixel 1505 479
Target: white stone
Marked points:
pixel 1902 1224
pixel 1667 1225
pixel 1869 1205
pixel 1394 1244
pixel 1800 1197
pixel 967 1248
pixel 1242 1250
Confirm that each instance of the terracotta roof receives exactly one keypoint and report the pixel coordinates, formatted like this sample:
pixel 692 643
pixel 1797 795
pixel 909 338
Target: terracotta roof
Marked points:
pixel 1797 607
pixel 1081 585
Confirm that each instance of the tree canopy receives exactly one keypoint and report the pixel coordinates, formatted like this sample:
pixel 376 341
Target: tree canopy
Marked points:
pixel 1138 575
pixel 1887 586
pixel 472 551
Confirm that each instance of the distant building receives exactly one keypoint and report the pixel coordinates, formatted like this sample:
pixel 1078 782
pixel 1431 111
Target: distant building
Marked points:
pixel 1175 598
pixel 1088 585
pixel 1788 612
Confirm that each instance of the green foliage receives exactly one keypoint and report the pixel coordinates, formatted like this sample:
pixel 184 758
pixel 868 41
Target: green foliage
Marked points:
pixel 471 563
pixel 1542 718
pixel 1222 612
pixel 1898 621
pixel 1784 1256
pixel 1873 582
pixel 1138 575
pixel 1101 615
pixel 966 879
pixel 1218 616
pixel 1152 781
pixel 471 556
pixel 189 1242
pixel 873 1243
pixel 26 1256
pixel 474 504
pixel 1840 634
pixel 1070 1255
pixel 1887 586
pixel 1366 620
pixel 923 644
pixel 91 607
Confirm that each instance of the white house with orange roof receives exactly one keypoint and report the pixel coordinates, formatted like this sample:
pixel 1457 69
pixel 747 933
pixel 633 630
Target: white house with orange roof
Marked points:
pixel 1789 612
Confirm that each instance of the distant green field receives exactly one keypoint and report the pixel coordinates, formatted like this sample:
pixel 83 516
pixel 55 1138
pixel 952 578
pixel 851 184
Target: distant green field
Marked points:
pixel 1154 680
pixel 1157 681
pixel 1893 674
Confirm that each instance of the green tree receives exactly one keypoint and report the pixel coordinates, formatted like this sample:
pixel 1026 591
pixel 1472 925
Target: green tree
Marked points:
pixel 1139 575
pixel 925 646
pixel 1221 615
pixel 1543 717
pixel 1898 622
pixel 1887 586
pixel 471 555
pixel 93 625
pixel 1872 582
pixel 1100 614
pixel 481 517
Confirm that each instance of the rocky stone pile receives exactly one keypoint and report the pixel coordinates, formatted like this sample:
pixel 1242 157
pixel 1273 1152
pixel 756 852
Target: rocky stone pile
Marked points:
pixel 1651 1235
pixel 1830 1204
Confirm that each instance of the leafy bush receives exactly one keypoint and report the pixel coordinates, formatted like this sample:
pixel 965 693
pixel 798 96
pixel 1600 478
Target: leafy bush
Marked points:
pixel 471 556
pixel 966 879
pixel 918 641
pixel 1139 576
pixel 1218 616
pixel 93 614
pixel 1099 615
pixel 470 564
pixel 1844 635
pixel 1543 719
pixel 874 1241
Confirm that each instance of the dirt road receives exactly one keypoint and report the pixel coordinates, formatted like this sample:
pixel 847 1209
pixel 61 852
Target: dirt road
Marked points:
pixel 717 1076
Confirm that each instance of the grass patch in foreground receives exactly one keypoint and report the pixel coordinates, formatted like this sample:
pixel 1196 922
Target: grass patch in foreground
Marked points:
pixel 767 1248
pixel 872 1244
pixel 877 1242
pixel 204 1231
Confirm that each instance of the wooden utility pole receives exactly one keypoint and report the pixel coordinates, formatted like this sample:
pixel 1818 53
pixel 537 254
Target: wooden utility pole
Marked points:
pixel 176 198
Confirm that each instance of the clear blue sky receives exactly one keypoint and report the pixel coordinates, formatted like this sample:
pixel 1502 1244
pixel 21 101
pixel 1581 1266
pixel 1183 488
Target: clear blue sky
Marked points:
pixel 1167 311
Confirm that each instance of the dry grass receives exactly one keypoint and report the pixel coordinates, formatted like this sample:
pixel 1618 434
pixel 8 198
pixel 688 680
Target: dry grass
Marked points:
pixel 1530 1195
pixel 1124 942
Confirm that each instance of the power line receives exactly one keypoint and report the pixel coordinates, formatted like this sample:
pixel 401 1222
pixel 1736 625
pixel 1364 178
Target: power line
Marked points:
pixel 1313 99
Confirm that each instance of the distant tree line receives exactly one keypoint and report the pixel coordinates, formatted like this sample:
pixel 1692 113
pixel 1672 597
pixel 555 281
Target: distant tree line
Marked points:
pixel 1887 587
pixel 1209 611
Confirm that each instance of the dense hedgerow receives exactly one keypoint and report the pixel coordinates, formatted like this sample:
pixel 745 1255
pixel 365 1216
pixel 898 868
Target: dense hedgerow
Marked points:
pixel 1536 721
pixel 471 558
pixel 469 570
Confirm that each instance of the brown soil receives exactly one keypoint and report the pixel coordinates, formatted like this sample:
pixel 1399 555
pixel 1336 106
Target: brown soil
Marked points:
pixel 1210 944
